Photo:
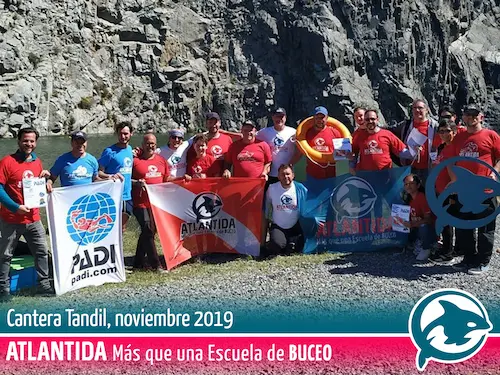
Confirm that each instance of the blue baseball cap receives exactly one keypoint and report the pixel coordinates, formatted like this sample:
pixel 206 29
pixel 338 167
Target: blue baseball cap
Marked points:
pixel 321 110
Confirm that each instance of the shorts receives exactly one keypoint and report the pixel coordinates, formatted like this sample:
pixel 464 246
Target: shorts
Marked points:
pixel 128 207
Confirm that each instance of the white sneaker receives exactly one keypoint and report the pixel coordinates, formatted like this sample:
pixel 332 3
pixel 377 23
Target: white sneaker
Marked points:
pixel 423 254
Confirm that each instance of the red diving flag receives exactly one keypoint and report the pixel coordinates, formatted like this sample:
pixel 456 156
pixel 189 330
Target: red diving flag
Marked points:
pixel 211 215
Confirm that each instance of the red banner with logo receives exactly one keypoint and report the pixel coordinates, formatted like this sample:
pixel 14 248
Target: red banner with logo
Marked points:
pixel 207 216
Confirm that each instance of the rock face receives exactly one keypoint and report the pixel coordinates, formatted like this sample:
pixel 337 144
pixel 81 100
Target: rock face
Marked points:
pixel 78 64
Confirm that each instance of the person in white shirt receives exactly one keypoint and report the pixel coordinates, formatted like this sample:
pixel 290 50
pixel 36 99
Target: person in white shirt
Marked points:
pixel 285 198
pixel 281 140
pixel 175 152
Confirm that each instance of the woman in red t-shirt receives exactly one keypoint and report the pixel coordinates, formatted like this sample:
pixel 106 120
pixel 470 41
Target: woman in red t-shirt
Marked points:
pixel 421 222
pixel 202 164
pixel 447 130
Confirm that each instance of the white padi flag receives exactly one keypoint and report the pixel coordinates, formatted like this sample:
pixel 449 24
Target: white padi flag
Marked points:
pixel 85 224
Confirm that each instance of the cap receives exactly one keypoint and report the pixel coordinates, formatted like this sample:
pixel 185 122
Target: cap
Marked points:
pixel 78 135
pixel 176 133
pixel 321 110
pixel 279 111
pixel 211 115
pixel 250 123
pixel 472 109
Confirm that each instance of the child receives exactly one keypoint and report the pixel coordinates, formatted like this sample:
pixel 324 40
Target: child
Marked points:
pixel 202 165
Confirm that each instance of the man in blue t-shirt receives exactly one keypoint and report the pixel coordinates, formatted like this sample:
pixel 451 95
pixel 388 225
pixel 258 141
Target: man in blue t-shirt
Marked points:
pixel 76 167
pixel 116 162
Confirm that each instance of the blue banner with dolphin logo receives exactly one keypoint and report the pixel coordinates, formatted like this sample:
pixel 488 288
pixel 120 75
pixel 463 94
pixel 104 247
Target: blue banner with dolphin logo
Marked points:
pixel 353 213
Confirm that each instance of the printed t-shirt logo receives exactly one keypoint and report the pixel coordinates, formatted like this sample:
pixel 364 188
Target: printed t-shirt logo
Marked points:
pixel 153 172
pixel 372 148
pixel 216 151
pixel 470 150
pixel 245 156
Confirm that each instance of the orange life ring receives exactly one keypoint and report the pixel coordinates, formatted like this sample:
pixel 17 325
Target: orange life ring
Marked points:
pixel 307 150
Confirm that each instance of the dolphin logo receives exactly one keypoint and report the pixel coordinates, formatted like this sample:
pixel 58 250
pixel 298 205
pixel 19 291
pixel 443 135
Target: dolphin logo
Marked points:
pixel 470 189
pixel 175 160
pixel 28 174
pixel 448 326
pixel 278 141
pixel 353 198
pixel 206 206
pixel 285 199
pixel 127 162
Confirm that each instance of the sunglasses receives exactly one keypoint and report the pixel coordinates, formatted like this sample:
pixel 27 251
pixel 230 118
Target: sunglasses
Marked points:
pixel 448 116
pixel 473 114
pixel 444 131
pixel 176 137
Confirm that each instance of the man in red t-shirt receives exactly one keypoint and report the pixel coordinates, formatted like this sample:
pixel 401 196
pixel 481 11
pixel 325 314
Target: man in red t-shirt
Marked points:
pixel 16 219
pixel 483 144
pixel 149 168
pixel 248 156
pixel 202 164
pixel 373 147
pixel 218 141
pixel 320 137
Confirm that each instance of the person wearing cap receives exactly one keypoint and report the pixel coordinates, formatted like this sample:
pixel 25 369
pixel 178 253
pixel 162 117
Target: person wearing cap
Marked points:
pixel 76 167
pixel 281 141
pixel 426 126
pixel 175 153
pixel 16 219
pixel 320 137
pixel 248 156
pixel 218 142
pixel 116 162
pixel 482 144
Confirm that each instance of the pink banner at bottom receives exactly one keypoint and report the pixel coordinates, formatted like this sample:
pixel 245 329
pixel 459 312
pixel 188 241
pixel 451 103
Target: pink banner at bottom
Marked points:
pixel 227 354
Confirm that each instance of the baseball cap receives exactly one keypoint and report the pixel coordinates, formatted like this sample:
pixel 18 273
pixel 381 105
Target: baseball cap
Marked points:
pixel 321 110
pixel 211 115
pixel 279 111
pixel 176 133
pixel 78 135
pixel 471 109
pixel 250 123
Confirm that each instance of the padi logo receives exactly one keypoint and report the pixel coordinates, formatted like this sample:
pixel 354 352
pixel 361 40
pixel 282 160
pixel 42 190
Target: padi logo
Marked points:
pixel 206 208
pixel 91 218
pixel 448 326
pixel 470 190
pixel 278 141
pixel 353 198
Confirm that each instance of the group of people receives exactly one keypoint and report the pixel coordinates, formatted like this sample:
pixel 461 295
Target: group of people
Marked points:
pixel 268 153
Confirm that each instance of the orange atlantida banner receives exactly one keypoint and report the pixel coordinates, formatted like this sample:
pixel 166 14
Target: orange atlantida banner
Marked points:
pixel 206 216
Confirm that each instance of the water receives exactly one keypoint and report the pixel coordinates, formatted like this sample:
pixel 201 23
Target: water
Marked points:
pixel 49 148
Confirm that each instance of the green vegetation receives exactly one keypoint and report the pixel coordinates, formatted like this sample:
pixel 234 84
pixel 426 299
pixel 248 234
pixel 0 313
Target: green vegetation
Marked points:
pixel 85 103
pixel 125 98
pixel 103 91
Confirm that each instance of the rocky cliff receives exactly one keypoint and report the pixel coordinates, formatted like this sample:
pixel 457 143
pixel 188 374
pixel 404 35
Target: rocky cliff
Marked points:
pixel 67 64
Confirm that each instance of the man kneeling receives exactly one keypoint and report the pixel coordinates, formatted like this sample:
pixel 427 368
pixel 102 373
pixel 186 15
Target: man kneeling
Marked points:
pixel 285 199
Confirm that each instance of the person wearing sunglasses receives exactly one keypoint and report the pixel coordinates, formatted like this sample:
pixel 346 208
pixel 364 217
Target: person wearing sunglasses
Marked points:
pixel 483 144
pixel 175 152
pixel 447 130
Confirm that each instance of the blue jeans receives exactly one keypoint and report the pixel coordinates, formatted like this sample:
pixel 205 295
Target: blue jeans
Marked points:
pixel 425 233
